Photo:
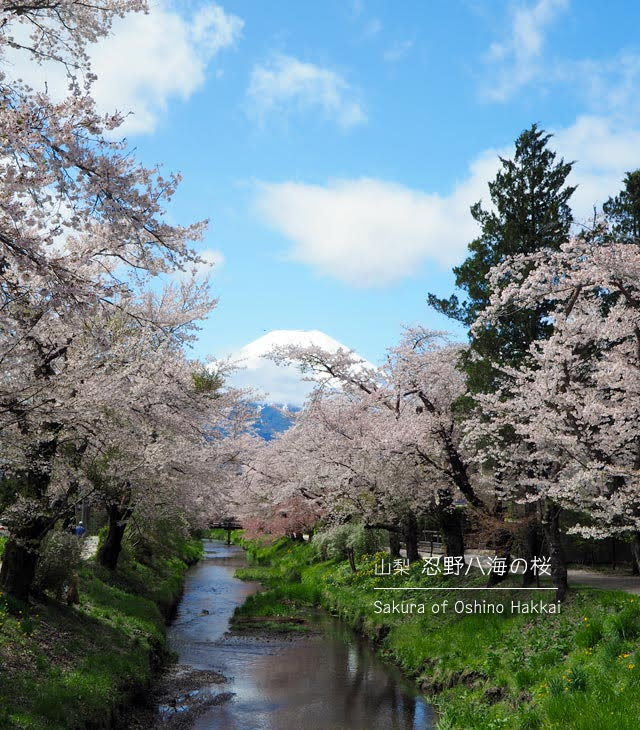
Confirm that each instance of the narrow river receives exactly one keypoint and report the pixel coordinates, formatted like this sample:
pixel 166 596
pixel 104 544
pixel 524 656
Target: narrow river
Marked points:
pixel 331 680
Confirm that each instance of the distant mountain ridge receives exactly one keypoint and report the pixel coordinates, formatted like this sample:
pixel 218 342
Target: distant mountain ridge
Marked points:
pixel 272 420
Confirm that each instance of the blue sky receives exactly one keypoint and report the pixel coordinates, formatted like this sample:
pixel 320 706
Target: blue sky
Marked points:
pixel 336 146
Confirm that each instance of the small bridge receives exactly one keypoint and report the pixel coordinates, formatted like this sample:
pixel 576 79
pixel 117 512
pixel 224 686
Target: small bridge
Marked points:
pixel 230 524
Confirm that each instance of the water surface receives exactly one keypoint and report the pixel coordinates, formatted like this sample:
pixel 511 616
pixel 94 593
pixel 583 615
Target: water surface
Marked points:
pixel 328 681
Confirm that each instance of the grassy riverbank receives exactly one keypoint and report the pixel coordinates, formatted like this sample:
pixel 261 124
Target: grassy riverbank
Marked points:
pixel 579 669
pixel 73 667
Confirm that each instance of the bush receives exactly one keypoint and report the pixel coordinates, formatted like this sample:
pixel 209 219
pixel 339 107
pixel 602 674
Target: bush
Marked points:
pixel 292 575
pixel 590 632
pixel 578 678
pixel 624 625
pixel 60 555
pixel 336 542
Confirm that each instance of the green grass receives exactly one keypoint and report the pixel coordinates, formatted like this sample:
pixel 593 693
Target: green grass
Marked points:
pixel 67 668
pixel 576 670
pixel 217 533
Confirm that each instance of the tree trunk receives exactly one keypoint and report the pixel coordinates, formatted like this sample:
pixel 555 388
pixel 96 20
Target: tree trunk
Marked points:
pixel 451 525
pixel 551 527
pixel 110 551
pixel 21 550
pixel 352 559
pixel 503 542
pixel 532 546
pixel 635 548
pixel 394 544
pixel 410 531
pixel 19 564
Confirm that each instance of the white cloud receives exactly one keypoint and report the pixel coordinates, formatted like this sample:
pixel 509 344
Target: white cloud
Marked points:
pixel 608 85
pixel 147 61
pixel 397 51
pixel 213 29
pixel 286 82
pixel 604 150
pixel 369 232
pixel 517 58
pixel 211 259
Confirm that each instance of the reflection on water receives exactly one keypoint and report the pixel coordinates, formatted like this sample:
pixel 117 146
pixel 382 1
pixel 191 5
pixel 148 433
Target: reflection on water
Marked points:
pixel 331 681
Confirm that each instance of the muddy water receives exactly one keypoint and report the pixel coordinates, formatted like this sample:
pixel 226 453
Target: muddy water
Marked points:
pixel 328 681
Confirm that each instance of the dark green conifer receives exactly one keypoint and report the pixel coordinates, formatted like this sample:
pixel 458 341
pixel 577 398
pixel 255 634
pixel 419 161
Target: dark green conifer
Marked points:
pixel 530 212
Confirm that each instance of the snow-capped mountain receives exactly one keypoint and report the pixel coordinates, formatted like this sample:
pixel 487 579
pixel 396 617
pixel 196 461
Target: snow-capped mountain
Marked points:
pixel 277 383
pixel 280 338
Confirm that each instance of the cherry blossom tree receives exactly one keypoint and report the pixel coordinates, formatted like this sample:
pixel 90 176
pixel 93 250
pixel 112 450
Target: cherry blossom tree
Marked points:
pixel 168 451
pixel 392 433
pixel 100 403
pixel 82 232
pixel 574 404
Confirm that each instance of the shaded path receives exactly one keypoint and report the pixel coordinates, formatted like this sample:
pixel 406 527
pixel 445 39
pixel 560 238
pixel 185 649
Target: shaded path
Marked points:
pixel 576 576
pixel 606 581
pixel 89 547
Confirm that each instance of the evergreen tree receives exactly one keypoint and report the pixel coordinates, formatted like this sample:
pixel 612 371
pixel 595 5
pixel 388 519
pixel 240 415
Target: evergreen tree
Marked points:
pixel 624 210
pixel 530 197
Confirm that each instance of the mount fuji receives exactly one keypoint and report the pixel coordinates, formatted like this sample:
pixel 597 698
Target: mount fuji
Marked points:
pixel 279 384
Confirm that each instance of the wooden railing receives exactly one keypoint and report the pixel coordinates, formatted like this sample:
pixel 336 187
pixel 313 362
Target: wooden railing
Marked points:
pixel 431 542
pixel 226 525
